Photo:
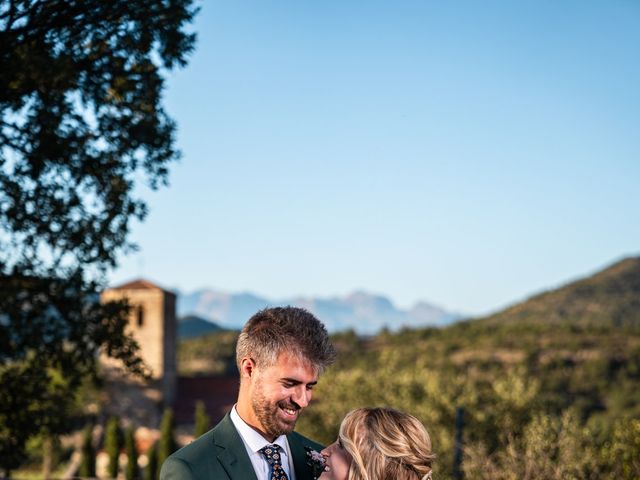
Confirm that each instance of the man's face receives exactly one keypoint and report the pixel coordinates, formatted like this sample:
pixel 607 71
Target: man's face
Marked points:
pixel 279 393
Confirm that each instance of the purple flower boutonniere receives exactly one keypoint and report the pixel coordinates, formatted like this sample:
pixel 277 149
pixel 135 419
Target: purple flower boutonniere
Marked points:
pixel 316 461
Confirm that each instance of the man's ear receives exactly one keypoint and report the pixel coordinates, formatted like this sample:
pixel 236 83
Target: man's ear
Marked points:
pixel 247 367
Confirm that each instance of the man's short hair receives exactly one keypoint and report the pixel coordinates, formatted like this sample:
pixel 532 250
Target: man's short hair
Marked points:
pixel 296 331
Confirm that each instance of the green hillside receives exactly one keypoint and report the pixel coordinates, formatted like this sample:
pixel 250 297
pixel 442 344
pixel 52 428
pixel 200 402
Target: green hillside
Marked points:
pixel 550 387
pixel 193 326
pixel 610 297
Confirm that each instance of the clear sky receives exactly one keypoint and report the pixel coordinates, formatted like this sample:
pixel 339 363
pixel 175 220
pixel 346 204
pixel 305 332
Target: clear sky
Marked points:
pixel 465 153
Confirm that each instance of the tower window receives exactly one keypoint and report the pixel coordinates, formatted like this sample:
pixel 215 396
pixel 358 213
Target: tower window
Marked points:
pixel 140 316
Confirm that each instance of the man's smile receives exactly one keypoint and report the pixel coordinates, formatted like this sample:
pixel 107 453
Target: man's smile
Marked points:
pixel 291 411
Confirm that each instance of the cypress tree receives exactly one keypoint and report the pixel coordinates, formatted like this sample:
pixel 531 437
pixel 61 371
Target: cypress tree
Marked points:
pixel 151 471
pixel 202 420
pixel 167 443
pixel 131 471
pixel 113 445
pixel 88 463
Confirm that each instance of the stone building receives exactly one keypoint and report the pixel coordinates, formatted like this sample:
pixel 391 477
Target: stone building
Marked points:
pixel 152 323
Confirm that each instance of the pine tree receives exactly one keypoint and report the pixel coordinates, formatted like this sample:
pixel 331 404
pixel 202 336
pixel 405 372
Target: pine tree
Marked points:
pixel 88 463
pixel 167 443
pixel 113 444
pixel 202 420
pixel 131 471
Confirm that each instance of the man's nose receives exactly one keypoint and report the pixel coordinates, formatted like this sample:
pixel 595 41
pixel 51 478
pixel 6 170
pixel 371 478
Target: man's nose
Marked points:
pixel 302 396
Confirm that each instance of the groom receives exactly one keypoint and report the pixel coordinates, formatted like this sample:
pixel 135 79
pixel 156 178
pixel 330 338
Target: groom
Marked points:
pixel 280 354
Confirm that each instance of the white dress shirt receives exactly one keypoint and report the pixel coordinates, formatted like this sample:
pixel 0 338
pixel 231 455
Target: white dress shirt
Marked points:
pixel 253 442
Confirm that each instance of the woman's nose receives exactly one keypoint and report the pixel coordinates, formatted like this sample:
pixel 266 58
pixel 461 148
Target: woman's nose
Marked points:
pixel 326 452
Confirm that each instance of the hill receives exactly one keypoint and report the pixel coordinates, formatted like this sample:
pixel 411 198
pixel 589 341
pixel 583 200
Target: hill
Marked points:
pixel 611 297
pixel 193 326
pixel 548 386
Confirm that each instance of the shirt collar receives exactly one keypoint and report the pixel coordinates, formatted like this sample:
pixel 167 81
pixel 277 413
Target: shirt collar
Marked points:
pixel 252 438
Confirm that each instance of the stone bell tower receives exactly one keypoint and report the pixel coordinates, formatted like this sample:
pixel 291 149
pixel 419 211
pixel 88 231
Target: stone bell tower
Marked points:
pixel 152 323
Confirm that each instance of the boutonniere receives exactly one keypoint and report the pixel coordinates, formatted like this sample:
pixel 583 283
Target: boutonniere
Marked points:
pixel 316 461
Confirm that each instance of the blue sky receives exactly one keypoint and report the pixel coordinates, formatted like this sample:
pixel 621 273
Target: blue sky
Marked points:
pixel 464 153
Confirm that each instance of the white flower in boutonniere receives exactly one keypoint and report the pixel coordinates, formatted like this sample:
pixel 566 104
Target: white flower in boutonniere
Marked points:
pixel 316 461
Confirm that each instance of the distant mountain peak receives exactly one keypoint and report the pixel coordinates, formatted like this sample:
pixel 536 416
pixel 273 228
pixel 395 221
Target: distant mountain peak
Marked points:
pixel 361 311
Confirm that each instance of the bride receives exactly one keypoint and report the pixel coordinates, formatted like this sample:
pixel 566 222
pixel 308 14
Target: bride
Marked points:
pixel 379 444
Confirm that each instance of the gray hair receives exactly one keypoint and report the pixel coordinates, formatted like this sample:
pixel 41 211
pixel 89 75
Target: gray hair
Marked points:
pixel 296 331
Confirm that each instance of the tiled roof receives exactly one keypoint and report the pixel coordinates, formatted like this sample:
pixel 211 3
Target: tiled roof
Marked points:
pixel 140 284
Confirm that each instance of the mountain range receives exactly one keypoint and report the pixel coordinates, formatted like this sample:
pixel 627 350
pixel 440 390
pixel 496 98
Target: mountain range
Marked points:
pixel 362 312
pixel 608 297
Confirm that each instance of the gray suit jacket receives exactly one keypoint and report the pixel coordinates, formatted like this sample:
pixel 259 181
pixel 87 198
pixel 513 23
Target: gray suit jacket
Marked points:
pixel 220 454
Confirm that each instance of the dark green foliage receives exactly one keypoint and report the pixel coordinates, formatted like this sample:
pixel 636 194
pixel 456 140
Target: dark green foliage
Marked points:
pixel 81 116
pixel 151 471
pixel 16 421
pixel 201 420
pixel 88 462
pixel 113 443
pixel 81 121
pixel 167 443
pixel 131 472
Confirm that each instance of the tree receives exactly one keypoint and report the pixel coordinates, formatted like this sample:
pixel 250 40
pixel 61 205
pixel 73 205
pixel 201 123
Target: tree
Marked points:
pixel 81 122
pixel 131 471
pixel 151 470
pixel 113 443
pixel 50 452
pixel 202 420
pixel 167 442
pixel 88 462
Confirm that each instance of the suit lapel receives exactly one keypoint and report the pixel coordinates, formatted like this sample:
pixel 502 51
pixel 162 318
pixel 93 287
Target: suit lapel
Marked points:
pixel 231 452
pixel 299 455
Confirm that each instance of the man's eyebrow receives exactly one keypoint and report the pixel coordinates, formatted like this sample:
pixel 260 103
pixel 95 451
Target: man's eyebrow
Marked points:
pixel 297 382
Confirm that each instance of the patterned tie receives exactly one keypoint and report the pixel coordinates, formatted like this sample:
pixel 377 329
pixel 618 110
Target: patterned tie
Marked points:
pixel 272 454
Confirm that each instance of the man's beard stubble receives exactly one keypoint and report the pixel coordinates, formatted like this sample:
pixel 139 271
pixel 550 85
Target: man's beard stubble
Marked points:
pixel 268 414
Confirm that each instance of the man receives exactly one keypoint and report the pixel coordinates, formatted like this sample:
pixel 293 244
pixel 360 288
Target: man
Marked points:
pixel 280 354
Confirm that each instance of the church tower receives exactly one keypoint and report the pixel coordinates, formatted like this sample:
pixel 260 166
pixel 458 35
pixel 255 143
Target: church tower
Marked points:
pixel 152 323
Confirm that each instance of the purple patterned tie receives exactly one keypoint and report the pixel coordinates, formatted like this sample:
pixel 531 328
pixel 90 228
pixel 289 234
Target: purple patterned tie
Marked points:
pixel 272 454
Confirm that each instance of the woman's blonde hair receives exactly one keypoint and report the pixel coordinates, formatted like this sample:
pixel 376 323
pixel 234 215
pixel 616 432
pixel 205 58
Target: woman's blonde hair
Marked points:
pixel 386 444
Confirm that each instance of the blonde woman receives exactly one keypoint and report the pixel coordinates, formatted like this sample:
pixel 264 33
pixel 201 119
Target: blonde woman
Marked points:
pixel 379 444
